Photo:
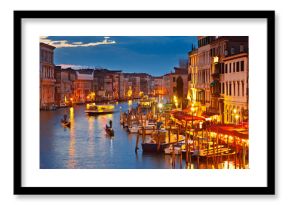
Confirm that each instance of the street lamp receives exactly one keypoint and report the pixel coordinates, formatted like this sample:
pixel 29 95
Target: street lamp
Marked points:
pixel 175 101
pixel 237 118
pixel 192 110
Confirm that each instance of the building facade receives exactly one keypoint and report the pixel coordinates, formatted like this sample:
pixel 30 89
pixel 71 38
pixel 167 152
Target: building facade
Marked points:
pixel 222 47
pixel 234 88
pixel 192 77
pixel 175 86
pixel 203 72
pixel 64 86
pixel 83 86
pixel 47 79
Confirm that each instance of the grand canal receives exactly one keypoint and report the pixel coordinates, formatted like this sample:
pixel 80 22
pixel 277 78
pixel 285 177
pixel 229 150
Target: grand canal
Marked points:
pixel 85 144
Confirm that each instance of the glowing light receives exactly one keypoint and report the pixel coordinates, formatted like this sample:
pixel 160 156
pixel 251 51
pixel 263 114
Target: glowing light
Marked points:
pixel 216 59
pixel 160 105
pixel 192 109
pixel 129 93
pixel 130 102
pixel 200 125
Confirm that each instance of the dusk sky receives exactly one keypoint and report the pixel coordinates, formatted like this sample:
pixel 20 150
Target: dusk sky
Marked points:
pixel 155 55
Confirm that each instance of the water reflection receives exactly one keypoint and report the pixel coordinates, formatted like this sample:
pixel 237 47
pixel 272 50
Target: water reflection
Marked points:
pixel 72 141
pixel 91 144
pixel 85 144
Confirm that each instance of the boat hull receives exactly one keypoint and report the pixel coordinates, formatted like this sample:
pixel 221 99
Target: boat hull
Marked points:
pixel 95 112
pixel 109 132
pixel 152 147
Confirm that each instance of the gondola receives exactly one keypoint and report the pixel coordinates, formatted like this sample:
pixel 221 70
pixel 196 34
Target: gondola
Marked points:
pixel 65 123
pixel 109 131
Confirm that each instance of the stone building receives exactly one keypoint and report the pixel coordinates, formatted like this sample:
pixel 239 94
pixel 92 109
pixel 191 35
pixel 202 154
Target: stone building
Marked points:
pixel 203 72
pixel 64 85
pixel 221 47
pixel 192 77
pixel 157 86
pixel 47 80
pixel 234 88
pixel 83 85
pixel 175 85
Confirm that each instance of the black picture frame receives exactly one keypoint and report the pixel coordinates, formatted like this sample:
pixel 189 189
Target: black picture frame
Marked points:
pixel 268 190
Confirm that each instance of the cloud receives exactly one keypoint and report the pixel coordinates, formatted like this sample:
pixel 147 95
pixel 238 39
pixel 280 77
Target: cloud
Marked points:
pixel 66 44
pixel 64 66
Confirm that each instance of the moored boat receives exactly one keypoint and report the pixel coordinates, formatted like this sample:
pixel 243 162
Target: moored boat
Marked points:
pixel 211 151
pixel 171 149
pixel 133 129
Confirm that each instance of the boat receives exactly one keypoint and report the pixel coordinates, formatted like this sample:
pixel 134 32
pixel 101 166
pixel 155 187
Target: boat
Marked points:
pixel 65 123
pixel 149 129
pixel 153 147
pixel 133 129
pixel 93 108
pixel 210 151
pixel 152 144
pixel 109 131
pixel 169 150
pixel 65 104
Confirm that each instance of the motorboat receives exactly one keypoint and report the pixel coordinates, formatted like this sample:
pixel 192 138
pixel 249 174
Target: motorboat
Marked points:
pixel 63 105
pixel 93 108
pixel 171 149
pixel 149 129
pixel 133 129
pixel 157 143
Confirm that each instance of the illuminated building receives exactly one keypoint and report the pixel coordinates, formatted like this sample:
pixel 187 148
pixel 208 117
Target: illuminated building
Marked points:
pixel 47 80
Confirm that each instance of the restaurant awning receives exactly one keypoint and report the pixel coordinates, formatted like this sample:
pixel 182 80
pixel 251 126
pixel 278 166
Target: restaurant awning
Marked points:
pixel 233 130
pixel 180 115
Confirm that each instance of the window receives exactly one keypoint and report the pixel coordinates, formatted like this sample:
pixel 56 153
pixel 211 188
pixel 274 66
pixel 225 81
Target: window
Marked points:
pixel 234 88
pixel 230 89
pixel 227 89
pixel 242 65
pixel 238 88
pixel 223 88
pixel 238 66
pixel 230 69
pixel 243 88
pixel 173 79
pixel 226 68
pixel 234 67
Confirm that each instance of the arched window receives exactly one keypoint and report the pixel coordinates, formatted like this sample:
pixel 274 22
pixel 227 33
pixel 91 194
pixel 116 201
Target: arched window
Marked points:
pixel 243 88
pixel 234 88
pixel 238 85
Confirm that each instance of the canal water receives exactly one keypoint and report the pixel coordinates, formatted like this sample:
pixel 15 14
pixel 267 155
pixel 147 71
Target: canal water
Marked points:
pixel 85 144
